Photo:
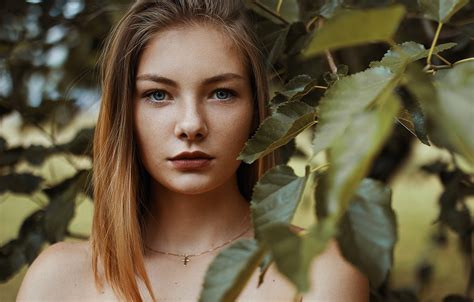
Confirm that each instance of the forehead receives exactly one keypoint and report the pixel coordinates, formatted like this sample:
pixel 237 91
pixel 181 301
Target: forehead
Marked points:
pixel 191 52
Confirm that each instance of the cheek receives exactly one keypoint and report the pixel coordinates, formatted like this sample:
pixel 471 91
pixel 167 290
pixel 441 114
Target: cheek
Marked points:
pixel 234 128
pixel 149 131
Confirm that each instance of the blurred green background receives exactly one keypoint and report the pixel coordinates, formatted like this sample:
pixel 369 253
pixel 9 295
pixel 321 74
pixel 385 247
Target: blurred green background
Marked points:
pixel 48 55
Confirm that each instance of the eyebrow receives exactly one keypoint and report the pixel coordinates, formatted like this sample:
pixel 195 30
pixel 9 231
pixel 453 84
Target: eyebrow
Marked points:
pixel 215 79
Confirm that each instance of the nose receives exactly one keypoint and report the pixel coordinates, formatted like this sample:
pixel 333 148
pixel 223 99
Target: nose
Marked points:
pixel 191 122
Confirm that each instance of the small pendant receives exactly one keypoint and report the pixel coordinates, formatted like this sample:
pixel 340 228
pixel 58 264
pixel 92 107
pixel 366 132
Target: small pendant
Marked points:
pixel 185 260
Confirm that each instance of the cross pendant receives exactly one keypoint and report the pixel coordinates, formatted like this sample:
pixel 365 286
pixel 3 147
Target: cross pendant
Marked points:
pixel 185 260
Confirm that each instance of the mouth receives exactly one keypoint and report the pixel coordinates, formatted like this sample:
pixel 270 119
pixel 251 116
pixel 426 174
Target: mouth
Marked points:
pixel 195 155
pixel 191 160
pixel 191 163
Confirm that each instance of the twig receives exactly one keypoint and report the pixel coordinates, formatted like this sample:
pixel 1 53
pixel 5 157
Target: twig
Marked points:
pixel 443 59
pixel 329 57
pixel 331 63
pixel 278 8
pixel 433 44
pixel 271 12
pixel 311 22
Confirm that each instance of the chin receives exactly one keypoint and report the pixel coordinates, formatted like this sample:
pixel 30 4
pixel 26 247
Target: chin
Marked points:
pixel 191 186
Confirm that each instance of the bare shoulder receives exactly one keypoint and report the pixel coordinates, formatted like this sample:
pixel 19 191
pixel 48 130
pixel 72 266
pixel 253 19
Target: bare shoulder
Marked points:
pixel 335 279
pixel 55 272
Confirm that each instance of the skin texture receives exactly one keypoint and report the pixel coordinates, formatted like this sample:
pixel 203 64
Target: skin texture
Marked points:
pixel 192 210
pixel 187 117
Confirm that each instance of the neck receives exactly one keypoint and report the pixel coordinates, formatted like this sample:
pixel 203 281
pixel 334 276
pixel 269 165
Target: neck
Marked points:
pixel 193 223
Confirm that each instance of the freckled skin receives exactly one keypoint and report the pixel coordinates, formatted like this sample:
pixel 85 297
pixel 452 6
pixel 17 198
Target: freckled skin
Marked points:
pixel 214 126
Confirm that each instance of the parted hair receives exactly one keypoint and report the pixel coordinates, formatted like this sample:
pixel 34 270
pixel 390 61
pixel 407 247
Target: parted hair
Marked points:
pixel 120 181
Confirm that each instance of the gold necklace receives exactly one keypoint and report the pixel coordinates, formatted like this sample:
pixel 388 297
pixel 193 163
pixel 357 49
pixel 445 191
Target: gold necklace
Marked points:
pixel 186 257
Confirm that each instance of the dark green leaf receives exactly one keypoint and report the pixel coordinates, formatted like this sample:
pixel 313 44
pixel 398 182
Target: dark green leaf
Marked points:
pixel 278 47
pixel 81 143
pixel 441 10
pixel 297 38
pixel 3 144
pixel 352 154
pixel 368 231
pixel 294 253
pixel 31 235
pixel 344 99
pixel 275 198
pixel 398 57
pixel 418 118
pixel 12 259
pixel 23 183
pixel 60 210
pixel 286 123
pixel 294 90
pixel 365 26
pixel 36 154
pixel 10 157
pixel 331 6
pixel 230 271
pixel 448 106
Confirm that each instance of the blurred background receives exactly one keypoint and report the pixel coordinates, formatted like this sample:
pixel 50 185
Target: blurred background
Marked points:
pixel 49 98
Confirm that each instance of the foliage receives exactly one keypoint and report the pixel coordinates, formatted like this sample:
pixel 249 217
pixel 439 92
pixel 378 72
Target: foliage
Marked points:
pixel 395 77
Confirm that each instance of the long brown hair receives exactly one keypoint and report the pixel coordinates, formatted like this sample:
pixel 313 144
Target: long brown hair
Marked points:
pixel 120 182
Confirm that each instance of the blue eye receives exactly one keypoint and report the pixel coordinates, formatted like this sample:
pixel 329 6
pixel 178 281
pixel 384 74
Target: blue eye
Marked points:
pixel 223 94
pixel 157 95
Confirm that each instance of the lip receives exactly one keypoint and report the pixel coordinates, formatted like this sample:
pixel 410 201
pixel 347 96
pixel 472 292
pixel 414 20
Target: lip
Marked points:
pixel 191 163
pixel 191 160
pixel 191 155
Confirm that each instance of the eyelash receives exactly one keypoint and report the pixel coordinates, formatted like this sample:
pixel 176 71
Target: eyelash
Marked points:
pixel 147 95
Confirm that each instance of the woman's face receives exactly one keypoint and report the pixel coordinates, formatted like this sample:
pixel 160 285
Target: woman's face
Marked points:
pixel 192 94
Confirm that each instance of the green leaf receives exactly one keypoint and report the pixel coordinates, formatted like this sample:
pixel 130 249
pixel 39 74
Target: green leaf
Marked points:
pixel 275 197
pixel 289 8
pixel 328 10
pixel 81 143
pixel 344 99
pixel 278 47
pixel 355 27
pixel 264 266
pixel 31 235
pixel 12 259
pixel 441 10
pixel 298 86
pixel 22 183
pixel 286 123
pixel 396 58
pixel 10 157
pixel 294 90
pixel 448 104
pixel 417 118
pixel 60 210
pixel 352 154
pixel 229 272
pixel 36 154
pixel 294 253
pixel 368 231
